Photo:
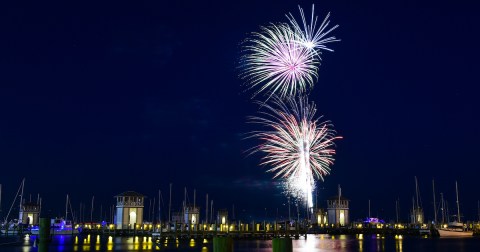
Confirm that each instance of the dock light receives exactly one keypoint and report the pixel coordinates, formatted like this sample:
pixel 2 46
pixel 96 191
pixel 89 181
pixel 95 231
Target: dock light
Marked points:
pixel 445 226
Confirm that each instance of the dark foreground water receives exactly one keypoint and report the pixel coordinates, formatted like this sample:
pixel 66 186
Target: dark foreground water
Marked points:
pixel 312 243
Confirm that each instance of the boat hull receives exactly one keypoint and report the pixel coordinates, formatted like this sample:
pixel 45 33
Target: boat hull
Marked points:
pixel 454 233
pixel 58 232
pixel 9 232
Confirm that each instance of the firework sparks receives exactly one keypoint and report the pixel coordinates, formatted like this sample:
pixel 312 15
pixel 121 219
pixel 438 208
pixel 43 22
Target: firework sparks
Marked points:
pixel 277 64
pixel 297 146
pixel 309 35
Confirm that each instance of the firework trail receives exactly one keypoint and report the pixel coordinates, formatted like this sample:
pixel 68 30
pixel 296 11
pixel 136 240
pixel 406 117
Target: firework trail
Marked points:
pixel 297 146
pixel 275 63
pixel 311 36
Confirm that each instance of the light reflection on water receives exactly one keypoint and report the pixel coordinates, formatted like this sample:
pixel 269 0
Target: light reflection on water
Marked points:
pixel 320 243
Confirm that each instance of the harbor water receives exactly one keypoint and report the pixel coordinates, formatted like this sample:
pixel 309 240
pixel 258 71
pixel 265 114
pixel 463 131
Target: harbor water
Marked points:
pixel 312 243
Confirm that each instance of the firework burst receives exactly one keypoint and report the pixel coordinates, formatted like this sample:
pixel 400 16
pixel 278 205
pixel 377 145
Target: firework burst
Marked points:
pixel 309 35
pixel 277 64
pixel 297 146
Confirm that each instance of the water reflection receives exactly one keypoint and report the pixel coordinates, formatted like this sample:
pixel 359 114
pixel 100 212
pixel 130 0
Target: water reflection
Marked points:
pixel 312 243
pixel 399 243
pixel 360 242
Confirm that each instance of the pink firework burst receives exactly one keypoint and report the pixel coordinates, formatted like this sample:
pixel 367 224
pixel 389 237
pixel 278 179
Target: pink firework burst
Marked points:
pixel 275 63
pixel 298 147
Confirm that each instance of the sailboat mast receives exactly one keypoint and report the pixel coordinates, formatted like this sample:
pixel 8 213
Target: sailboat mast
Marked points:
pixel 443 208
pixel 0 200
pixel 458 204
pixel 91 210
pixel 206 210
pixel 416 192
pixel 434 202
pixel 396 209
pixel 21 195
pixel 369 209
pixel 159 207
pixel 170 205
pixel 66 208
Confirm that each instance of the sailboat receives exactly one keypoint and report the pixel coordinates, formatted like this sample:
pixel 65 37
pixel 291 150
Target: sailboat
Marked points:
pixel 13 227
pixel 60 226
pixel 455 228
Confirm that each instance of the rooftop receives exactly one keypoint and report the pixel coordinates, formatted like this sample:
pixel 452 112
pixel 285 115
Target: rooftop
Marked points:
pixel 130 194
pixel 336 198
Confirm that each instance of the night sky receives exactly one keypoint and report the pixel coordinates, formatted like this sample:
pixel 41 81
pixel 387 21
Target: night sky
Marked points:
pixel 97 99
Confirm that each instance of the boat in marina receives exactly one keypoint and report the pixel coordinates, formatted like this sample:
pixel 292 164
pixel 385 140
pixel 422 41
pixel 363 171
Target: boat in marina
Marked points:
pixel 60 226
pixel 455 228
pixel 14 226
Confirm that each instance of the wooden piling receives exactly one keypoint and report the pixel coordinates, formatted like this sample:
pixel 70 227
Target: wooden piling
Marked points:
pixel 282 245
pixel 222 244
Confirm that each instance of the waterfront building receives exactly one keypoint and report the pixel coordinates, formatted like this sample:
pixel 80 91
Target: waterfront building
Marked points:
pixel 29 213
pixel 320 217
pixel 129 210
pixel 338 210
pixel 222 219
pixel 222 216
pixel 192 215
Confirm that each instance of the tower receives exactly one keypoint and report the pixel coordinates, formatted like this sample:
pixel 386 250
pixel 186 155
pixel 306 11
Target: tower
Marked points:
pixel 129 210
pixel 29 213
pixel 338 211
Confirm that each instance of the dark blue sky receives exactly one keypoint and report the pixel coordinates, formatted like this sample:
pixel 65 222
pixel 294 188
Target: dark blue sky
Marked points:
pixel 96 99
